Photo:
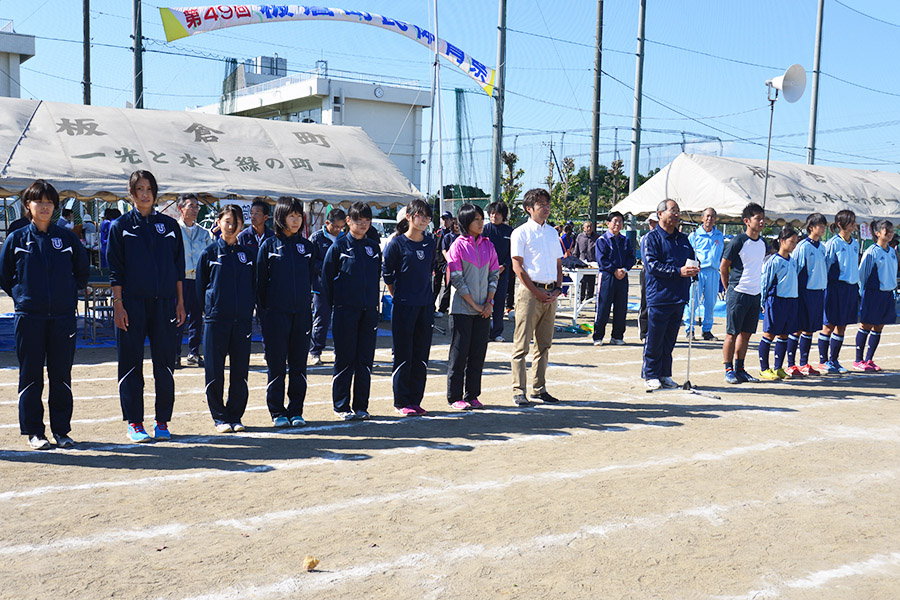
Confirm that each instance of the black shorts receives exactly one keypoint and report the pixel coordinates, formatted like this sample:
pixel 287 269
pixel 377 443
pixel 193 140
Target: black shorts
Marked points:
pixel 741 311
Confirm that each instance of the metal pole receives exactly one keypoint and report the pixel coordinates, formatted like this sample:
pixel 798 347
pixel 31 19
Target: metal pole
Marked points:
pixel 814 102
pixel 769 146
pixel 439 104
pixel 595 122
pixel 638 78
pixel 87 51
pixel 138 55
pixel 498 103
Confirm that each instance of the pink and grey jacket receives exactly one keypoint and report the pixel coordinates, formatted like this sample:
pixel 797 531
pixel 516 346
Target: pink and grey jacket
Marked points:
pixel 473 270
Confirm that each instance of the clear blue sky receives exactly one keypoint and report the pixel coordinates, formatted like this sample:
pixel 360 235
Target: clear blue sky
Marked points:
pixel 705 67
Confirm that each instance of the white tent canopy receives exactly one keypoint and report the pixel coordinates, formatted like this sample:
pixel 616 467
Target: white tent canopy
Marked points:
pixel 90 151
pixel 795 190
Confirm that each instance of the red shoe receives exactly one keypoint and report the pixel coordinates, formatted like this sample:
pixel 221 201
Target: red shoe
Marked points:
pixel 795 372
pixel 809 371
pixel 874 367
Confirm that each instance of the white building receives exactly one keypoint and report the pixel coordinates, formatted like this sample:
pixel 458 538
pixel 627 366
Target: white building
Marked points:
pixel 388 110
pixel 15 49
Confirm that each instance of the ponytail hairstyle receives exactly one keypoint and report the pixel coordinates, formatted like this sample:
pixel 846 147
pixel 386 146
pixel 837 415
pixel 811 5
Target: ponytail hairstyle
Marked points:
pixel 416 207
pixel 814 220
pixel 786 233
pixel 881 225
pixel 844 219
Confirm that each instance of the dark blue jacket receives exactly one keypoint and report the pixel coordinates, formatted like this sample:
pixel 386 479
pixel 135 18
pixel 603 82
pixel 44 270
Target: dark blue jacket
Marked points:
pixel 351 273
pixel 145 255
pixel 613 252
pixel 226 282
pixel 407 266
pixel 500 236
pixel 284 274
pixel 247 239
pixel 322 243
pixel 43 272
pixel 664 255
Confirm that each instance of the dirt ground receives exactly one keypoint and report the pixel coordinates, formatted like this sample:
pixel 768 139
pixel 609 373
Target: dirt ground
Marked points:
pixel 772 490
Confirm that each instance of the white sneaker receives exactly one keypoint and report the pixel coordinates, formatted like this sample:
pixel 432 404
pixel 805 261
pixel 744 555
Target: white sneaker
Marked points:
pixel 224 428
pixel 668 383
pixel 653 384
pixel 499 338
pixel 598 342
pixel 438 314
pixel 38 443
pixel 316 359
pixel 616 342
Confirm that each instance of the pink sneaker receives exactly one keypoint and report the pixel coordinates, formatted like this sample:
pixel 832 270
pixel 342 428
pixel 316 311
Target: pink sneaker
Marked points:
pixel 419 410
pixel 476 404
pixel 861 365
pixel 461 405
pixel 407 411
pixel 873 366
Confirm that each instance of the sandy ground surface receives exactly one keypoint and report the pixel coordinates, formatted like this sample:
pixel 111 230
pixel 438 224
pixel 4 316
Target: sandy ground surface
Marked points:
pixel 774 490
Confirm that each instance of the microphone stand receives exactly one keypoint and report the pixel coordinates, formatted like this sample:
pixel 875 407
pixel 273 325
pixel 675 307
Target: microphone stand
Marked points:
pixel 687 378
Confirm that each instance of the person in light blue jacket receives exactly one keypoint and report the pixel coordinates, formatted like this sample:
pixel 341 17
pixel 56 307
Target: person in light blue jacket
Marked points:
pixel 877 282
pixel 708 243
pixel 780 290
pixel 841 295
pixel 812 272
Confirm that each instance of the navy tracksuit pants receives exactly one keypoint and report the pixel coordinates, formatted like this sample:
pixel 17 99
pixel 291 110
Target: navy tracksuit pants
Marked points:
pixel 231 339
pixel 468 347
pixel 355 332
pixel 193 322
pixel 499 302
pixel 287 343
pixel 411 328
pixel 663 323
pixel 321 322
pixel 611 293
pixel 153 318
pixel 54 340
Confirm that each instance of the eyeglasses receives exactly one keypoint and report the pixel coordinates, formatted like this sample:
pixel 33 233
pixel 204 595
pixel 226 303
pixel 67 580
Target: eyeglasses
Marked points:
pixel 422 216
pixel 542 205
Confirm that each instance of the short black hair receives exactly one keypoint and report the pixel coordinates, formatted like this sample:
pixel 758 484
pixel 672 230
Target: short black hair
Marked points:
pixel 498 207
pixel 532 195
pixel 336 214
pixel 142 174
pixel 37 190
pixel 263 204
pixel 185 198
pixel 466 214
pixel 613 215
pixel 235 211
pixel 813 220
pixel 66 212
pixel 359 210
pixel 751 210
pixel 283 207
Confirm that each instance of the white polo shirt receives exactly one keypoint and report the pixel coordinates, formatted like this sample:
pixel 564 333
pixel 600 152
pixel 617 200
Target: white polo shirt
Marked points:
pixel 539 247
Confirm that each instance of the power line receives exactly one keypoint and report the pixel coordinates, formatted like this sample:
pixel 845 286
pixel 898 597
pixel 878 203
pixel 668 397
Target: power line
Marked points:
pixel 563 41
pixel 725 58
pixel 868 16
pixel 864 87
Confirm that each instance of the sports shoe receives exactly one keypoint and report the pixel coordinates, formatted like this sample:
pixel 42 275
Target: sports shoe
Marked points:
pixel 782 374
pixel 38 442
pixel 161 431
pixel 224 427
pixel 875 367
pixel 521 400
pixel 689 335
pixel 63 441
pixel 745 377
pixel 438 314
pixel 730 377
pixel 137 434
pixel 281 422
pixel 809 371
pixel 668 383
pixel 461 405
pixel 511 314
pixel 238 426
pixel 709 337
pixel 178 362
pixel 419 410
pixel 842 370
pixel 545 397
pixel 476 403
pixel 345 416
pixel 193 360
pixel 598 342
pixel 861 365
pixel 316 359
pixel 654 384
pixel 407 411
pixel 828 368
pixel 298 421
pixel 769 375
pixel 499 338
pixel 795 372
pixel 616 342
pixel 362 415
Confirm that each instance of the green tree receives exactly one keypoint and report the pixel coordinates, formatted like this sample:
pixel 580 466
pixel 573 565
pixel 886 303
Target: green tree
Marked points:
pixel 567 203
pixel 511 187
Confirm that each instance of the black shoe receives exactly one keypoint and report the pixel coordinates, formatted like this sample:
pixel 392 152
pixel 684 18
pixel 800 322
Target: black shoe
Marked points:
pixel 709 337
pixel 690 336
pixel 521 400
pixel 545 397
pixel 177 362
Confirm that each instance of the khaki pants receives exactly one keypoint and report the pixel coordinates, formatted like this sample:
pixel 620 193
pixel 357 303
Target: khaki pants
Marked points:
pixel 533 319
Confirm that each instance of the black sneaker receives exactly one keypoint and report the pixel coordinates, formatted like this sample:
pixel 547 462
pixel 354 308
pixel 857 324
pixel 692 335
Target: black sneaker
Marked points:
pixel 63 441
pixel 545 397
pixel 709 337
pixel 177 362
pixel 521 400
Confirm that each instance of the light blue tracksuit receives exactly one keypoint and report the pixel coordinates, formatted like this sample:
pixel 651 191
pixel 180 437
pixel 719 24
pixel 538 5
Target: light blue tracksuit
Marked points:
pixel 708 247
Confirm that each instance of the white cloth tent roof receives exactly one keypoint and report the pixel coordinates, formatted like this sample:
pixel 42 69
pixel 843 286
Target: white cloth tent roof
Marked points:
pixel 90 151
pixel 795 190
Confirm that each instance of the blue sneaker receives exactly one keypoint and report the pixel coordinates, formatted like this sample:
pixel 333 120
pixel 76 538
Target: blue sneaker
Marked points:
pixel 137 434
pixel 161 431
pixel 828 368
pixel 281 422
pixel 841 370
pixel 730 377
pixel 745 377
pixel 297 421
pixel 362 415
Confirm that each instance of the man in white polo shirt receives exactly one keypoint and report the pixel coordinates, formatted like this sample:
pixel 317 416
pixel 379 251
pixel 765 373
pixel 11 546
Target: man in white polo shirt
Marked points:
pixel 537 262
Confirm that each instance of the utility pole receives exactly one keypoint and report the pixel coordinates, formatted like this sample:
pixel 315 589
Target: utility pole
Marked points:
pixel 138 55
pixel 87 51
pixel 814 103
pixel 498 103
pixel 595 124
pixel 638 79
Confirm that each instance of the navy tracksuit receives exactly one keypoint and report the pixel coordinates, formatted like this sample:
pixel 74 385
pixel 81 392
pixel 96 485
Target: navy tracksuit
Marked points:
pixel 249 240
pixel 613 252
pixel 226 289
pixel 500 236
pixel 284 272
pixel 321 307
pixel 667 294
pixel 146 258
pixel 42 272
pixel 407 266
pixel 350 280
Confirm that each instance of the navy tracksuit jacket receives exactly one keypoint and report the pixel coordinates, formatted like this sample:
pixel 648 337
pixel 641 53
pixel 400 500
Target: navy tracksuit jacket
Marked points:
pixel 321 308
pixel 42 272
pixel 612 252
pixel 500 236
pixel 350 281
pixel 226 288
pixel 284 274
pixel 146 258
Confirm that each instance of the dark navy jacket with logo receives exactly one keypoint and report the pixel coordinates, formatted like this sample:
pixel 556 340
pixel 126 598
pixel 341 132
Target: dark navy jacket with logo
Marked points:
pixel 43 272
pixel 351 272
pixel 407 266
pixel 145 255
pixel 284 273
pixel 323 243
pixel 500 236
pixel 226 282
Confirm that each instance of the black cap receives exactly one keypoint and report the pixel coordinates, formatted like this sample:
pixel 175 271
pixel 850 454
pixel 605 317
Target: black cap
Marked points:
pixel 447 215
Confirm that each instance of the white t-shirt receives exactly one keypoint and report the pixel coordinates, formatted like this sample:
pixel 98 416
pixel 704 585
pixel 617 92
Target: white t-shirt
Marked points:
pixel 539 247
